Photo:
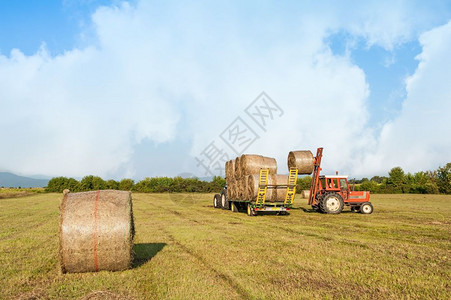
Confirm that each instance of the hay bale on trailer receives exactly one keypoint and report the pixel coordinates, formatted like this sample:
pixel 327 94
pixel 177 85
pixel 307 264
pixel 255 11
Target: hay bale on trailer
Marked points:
pixel 231 189
pixel 252 187
pixel 301 160
pixel 96 231
pixel 279 193
pixel 230 170
pixel 272 194
pixel 244 193
pixel 305 194
pixel 237 168
pixel 250 164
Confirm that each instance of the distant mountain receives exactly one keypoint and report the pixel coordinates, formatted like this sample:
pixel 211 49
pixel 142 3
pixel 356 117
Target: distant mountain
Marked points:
pixel 12 180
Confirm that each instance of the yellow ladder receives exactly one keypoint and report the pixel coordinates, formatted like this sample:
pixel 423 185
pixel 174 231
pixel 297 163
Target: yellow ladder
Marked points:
pixel 262 186
pixel 291 188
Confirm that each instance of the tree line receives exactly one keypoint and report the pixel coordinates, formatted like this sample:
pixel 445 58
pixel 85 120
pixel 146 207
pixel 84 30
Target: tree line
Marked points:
pixel 397 181
pixel 147 185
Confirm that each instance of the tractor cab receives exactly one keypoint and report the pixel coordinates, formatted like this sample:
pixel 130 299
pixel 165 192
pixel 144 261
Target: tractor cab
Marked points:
pixel 334 183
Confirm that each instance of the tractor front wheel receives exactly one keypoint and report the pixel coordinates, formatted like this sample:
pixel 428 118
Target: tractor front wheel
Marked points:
pixel 332 203
pixel 366 208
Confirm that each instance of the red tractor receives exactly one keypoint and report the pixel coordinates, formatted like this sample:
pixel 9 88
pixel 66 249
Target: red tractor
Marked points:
pixel 330 193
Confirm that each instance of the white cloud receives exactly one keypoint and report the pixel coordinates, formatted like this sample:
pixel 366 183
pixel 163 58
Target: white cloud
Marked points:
pixel 419 139
pixel 79 113
pixel 162 71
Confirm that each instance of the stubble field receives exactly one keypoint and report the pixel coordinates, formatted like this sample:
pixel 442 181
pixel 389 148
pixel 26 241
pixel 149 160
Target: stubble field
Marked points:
pixel 186 249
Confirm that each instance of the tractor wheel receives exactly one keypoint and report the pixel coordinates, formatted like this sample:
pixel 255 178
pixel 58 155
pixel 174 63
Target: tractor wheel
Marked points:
pixel 332 203
pixel 250 211
pixel 225 202
pixel 366 208
pixel 233 207
pixel 217 201
pixel 317 208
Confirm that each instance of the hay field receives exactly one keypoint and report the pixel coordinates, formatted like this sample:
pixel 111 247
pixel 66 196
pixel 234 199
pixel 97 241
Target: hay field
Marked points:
pixel 186 249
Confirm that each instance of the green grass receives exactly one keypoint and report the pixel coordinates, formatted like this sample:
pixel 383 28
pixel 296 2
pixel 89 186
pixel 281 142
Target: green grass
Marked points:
pixel 19 192
pixel 186 249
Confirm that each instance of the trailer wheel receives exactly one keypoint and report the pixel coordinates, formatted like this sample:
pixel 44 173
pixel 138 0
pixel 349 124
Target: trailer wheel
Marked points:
pixel 233 207
pixel 366 208
pixel 225 202
pixel 332 203
pixel 250 211
pixel 217 201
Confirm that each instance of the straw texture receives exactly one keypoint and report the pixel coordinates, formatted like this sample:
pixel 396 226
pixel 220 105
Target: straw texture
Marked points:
pixel 301 160
pixel 96 231
pixel 250 164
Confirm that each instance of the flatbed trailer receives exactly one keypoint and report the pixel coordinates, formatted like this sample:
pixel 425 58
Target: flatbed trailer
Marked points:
pixel 259 204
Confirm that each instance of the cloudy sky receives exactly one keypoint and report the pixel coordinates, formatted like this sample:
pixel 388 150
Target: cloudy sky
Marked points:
pixel 159 88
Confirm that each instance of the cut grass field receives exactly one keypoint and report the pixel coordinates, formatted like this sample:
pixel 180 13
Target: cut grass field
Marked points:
pixel 186 249
pixel 19 192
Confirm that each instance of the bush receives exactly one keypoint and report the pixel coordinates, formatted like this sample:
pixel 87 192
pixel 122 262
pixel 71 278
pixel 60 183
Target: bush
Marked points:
pixel 92 183
pixel 303 183
pixel 59 184
pixel 429 182
pixel 444 179
pixel 126 184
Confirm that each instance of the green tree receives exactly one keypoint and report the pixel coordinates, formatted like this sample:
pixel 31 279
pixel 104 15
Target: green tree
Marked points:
pixel 98 183
pixel 92 183
pixel 444 179
pixel 126 184
pixel 216 185
pixel 369 185
pixel 303 183
pixel 377 179
pixel 396 180
pixel 112 184
pixel 59 184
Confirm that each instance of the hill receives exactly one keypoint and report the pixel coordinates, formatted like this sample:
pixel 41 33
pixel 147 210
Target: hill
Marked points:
pixel 11 180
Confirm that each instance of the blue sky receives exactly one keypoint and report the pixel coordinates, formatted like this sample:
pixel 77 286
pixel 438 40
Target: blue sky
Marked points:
pixel 141 88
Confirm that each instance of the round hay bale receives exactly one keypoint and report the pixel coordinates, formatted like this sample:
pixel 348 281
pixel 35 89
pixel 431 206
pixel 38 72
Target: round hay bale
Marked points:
pixel 96 231
pixel 237 173
pixel 250 164
pixel 244 193
pixel 252 187
pixel 305 194
pixel 230 169
pixel 301 160
pixel 231 194
pixel 279 193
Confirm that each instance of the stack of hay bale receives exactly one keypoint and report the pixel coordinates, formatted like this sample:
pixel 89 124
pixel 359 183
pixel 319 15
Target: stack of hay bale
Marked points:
pixel 242 175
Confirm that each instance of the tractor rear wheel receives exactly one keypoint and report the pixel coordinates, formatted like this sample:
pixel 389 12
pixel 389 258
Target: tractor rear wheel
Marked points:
pixel 366 208
pixel 225 202
pixel 217 201
pixel 331 203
